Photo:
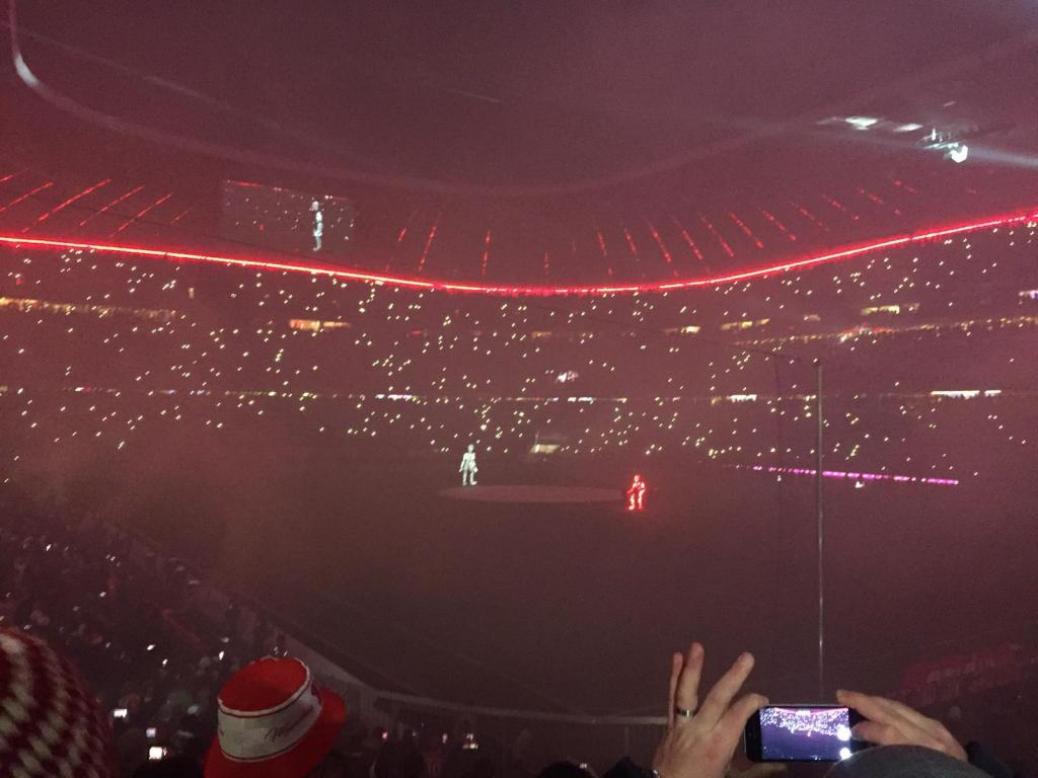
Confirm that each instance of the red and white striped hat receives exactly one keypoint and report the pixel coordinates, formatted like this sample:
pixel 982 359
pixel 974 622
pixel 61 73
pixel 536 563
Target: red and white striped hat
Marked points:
pixel 273 721
pixel 50 723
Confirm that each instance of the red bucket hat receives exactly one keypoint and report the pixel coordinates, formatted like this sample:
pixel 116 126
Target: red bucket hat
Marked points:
pixel 50 722
pixel 273 722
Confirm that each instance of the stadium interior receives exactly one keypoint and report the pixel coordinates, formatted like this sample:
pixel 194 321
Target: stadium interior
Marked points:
pixel 252 317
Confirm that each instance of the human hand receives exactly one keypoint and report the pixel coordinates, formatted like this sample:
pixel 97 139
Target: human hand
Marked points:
pixel 889 723
pixel 758 770
pixel 701 746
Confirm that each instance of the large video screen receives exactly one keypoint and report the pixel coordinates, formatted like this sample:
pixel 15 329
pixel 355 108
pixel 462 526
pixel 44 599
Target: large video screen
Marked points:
pixel 286 220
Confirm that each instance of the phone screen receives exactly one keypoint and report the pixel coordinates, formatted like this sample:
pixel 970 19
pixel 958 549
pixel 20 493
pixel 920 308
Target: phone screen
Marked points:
pixel 801 733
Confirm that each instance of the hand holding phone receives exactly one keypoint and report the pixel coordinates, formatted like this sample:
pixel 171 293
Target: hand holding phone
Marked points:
pixel 701 739
pixel 889 722
pixel 801 733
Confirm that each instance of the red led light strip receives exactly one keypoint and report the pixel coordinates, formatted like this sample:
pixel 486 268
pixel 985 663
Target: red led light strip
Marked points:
pixel 141 214
pixel 66 203
pixel 113 203
pixel 348 274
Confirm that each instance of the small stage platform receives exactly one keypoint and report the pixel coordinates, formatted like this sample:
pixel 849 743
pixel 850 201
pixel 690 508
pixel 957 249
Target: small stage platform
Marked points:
pixel 533 494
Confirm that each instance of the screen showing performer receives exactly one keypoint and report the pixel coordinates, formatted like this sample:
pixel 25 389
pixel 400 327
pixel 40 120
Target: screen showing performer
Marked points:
pixel 286 220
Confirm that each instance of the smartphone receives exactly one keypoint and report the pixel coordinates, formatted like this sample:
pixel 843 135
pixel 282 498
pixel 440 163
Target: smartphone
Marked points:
pixel 120 713
pixel 801 733
pixel 151 733
pixel 157 753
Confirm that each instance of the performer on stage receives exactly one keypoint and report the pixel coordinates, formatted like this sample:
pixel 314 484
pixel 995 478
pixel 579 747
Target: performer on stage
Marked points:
pixel 636 494
pixel 315 208
pixel 468 467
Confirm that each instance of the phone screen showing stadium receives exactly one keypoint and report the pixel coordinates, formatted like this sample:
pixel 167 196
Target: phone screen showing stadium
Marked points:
pixel 286 220
pixel 814 734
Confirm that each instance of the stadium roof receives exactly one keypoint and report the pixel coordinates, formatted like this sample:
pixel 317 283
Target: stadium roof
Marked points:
pixel 525 146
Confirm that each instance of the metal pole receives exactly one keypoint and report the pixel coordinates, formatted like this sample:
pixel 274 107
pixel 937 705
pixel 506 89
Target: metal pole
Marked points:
pixel 820 527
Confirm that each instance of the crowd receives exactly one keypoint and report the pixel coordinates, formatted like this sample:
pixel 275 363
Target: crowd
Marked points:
pixel 917 346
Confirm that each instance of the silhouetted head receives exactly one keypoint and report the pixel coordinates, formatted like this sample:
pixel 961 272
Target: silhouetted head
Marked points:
pixel 902 762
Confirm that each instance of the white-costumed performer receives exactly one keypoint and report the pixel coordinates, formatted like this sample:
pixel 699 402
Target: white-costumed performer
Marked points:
pixel 468 467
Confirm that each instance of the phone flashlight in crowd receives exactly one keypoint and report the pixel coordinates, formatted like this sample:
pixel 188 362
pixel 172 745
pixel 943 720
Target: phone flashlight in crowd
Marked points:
pixel 151 732
pixel 583 765
pixel 156 753
pixel 220 655
pixel 470 743
pixel 120 713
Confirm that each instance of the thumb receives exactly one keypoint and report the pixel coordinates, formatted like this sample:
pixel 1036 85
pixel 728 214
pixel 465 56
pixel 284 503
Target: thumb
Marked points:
pixel 760 770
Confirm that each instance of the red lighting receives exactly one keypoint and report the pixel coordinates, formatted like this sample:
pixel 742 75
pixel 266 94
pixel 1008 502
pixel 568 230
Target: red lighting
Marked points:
pixel 112 204
pixel 66 203
pixel 142 213
pixel 428 244
pixel 486 254
pixel 717 235
pixel 27 195
pixel 659 242
pixel 358 275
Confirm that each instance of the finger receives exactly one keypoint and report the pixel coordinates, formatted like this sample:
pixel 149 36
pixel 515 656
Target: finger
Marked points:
pixel 720 697
pixel 734 721
pixel 677 661
pixel 872 708
pixel 885 734
pixel 911 723
pixel 687 693
pixel 932 726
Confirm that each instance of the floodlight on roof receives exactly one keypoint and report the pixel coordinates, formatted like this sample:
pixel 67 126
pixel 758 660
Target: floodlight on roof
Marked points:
pixel 958 153
pixel 861 122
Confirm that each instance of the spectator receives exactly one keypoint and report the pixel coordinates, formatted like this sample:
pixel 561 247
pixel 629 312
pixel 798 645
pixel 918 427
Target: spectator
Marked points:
pixel 701 739
pixel 903 762
pixel 274 722
pixel 173 767
pixel 889 723
pixel 50 722
pixel 563 770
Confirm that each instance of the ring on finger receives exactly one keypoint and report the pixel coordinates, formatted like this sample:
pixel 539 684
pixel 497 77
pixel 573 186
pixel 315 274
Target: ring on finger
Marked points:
pixel 684 713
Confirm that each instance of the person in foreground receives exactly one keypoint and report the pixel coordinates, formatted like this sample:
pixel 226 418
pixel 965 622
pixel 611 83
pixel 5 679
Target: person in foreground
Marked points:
pixel 274 722
pixel 50 722
pixel 701 738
